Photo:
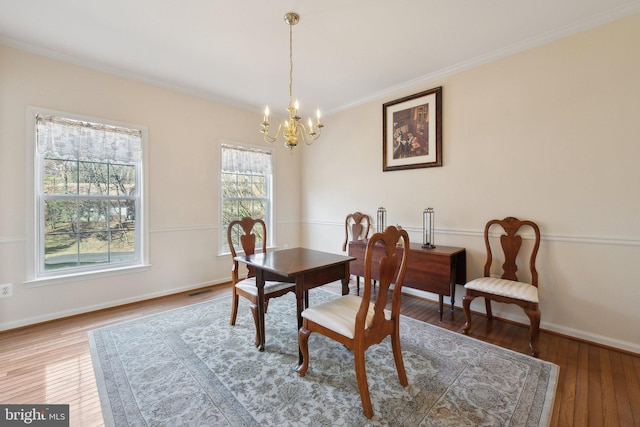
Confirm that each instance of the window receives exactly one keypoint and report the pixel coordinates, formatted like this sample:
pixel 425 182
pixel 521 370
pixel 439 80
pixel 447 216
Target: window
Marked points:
pixel 245 188
pixel 88 181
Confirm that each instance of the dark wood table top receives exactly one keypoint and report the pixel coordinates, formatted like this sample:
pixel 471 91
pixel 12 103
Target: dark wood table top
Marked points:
pixel 437 250
pixel 294 261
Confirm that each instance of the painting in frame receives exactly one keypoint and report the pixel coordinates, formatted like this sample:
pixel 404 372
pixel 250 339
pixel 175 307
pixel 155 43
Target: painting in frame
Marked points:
pixel 412 131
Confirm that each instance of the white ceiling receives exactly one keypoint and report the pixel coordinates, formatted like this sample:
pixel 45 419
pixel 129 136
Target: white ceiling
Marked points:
pixel 345 51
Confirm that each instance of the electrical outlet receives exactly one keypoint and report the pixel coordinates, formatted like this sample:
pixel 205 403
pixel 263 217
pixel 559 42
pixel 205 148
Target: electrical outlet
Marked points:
pixel 6 290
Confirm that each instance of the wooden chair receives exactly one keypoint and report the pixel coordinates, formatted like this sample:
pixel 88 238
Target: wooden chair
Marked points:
pixel 507 288
pixel 246 287
pixel 358 322
pixel 356 227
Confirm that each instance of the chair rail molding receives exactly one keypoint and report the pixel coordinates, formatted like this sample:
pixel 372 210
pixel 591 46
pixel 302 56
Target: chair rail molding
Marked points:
pixel 598 240
pixel 11 239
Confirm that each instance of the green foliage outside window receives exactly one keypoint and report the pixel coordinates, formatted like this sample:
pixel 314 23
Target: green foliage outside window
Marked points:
pixel 89 216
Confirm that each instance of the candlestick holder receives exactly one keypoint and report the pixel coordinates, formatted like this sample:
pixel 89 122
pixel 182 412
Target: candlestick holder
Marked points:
pixel 427 228
pixel 381 220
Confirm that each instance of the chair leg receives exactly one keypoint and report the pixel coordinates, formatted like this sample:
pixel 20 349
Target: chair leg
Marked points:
pixel 303 343
pixel 234 307
pixel 358 285
pixel 363 386
pixel 254 311
pixel 487 306
pixel 466 306
pixel 534 318
pixel 397 357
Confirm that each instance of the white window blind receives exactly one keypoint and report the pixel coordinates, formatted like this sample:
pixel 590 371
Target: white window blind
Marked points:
pixel 239 159
pixel 88 141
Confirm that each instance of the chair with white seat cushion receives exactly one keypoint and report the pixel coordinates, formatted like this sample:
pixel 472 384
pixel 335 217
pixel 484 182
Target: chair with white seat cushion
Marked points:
pixel 244 231
pixel 360 322
pixel 507 288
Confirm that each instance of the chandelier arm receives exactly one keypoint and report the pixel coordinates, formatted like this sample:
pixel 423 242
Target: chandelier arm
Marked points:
pixel 314 135
pixel 269 138
pixel 310 135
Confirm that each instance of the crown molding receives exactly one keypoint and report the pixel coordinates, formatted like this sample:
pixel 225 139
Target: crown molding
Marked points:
pixel 530 43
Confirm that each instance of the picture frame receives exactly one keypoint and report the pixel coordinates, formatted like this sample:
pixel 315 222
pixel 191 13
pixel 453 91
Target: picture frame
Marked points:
pixel 412 131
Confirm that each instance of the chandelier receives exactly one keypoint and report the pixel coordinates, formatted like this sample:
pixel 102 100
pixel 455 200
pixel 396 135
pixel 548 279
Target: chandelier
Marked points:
pixel 292 129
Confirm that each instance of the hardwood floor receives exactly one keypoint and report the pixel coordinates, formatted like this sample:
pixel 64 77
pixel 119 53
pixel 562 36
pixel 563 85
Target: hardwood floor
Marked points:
pixel 50 363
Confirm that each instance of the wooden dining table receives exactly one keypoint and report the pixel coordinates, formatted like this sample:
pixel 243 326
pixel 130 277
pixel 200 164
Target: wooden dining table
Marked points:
pixel 307 268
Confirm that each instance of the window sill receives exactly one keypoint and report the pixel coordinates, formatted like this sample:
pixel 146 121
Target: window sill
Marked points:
pixel 89 275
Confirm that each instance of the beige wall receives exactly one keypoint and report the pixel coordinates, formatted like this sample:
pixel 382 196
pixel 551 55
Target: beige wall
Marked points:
pixel 552 135
pixel 184 133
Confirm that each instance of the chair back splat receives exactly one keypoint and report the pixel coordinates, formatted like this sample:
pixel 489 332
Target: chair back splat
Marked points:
pixel 511 243
pixel 360 322
pixel 387 268
pixel 248 238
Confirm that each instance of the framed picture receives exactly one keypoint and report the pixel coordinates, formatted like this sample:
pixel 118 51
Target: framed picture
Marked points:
pixel 412 131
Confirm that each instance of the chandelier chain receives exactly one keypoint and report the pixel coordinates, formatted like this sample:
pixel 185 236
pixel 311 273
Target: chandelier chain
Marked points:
pixel 290 64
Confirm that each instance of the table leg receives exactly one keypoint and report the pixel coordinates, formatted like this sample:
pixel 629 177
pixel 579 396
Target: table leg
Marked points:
pixel 345 282
pixel 260 286
pixel 301 296
pixel 452 285
pixel 441 301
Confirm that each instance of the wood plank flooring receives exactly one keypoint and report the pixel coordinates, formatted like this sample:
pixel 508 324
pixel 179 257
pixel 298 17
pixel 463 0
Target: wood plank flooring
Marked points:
pixel 50 363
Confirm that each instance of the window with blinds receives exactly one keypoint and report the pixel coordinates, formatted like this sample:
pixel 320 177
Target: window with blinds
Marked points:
pixel 89 195
pixel 246 177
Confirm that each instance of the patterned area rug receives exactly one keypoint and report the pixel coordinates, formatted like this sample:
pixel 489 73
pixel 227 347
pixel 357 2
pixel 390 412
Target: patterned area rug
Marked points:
pixel 188 367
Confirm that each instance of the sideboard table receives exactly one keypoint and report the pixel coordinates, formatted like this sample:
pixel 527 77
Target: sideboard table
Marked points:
pixel 435 270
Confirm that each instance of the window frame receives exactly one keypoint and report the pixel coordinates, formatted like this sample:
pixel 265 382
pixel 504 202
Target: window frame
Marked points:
pixel 37 275
pixel 269 220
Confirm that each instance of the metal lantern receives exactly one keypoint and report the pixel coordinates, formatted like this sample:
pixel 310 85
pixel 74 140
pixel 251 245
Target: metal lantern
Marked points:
pixel 427 228
pixel 381 221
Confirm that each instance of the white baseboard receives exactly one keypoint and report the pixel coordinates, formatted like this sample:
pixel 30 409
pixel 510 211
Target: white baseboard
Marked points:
pixel 88 309
pixel 551 327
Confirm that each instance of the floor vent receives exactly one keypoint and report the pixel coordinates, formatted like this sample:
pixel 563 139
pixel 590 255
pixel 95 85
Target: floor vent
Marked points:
pixel 204 291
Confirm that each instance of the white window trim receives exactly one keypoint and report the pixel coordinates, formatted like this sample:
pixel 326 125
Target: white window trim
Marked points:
pixel 33 278
pixel 271 235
